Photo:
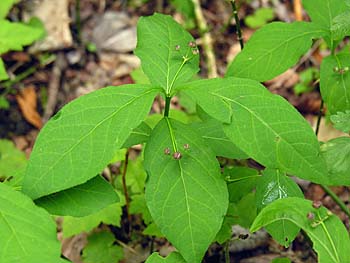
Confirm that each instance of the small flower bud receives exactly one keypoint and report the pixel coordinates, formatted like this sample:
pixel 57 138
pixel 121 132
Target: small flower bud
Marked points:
pixel 316 204
pixel 167 151
pixel 186 146
pixel 192 44
pixel 310 216
pixel 195 51
pixel 177 155
pixel 177 47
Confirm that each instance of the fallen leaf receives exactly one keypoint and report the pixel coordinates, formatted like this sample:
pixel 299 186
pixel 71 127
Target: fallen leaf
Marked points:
pixel 26 100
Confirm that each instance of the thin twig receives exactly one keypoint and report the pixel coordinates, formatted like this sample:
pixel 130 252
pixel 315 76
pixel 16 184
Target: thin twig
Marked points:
pixel 335 198
pixel 207 40
pixel 238 23
pixel 227 252
pixel 78 20
pixel 127 200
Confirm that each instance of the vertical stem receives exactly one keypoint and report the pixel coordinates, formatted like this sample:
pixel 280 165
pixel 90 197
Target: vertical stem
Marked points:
pixel 319 119
pixel 77 20
pixel 125 189
pixel 167 106
pixel 238 23
pixel 207 39
pixel 227 252
pixel 336 199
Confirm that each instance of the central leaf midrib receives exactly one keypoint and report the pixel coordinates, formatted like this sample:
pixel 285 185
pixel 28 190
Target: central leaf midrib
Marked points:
pixel 87 134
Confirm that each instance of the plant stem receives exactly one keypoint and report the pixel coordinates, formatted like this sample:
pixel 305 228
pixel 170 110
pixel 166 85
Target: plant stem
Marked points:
pixel 167 106
pixel 335 198
pixel 319 119
pixel 78 20
pixel 127 200
pixel 227 251
pixel 207 39
pixel 238 23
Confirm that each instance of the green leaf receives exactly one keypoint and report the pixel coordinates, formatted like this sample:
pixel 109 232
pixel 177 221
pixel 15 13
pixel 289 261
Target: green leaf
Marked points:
pixel 13 36
pixel 243 212
pixel 81 200
pixel 173 257
pixel 159 37
pixel 74 225
pixel 138 206
pixel 273 49
pixel 322 14
pixel 152 230
pixel 326 231
pixel 139 135
pixel 5 7
pixel 100 249
pixel 337 155
pixel 341 121
pixel 265 126
pixel 213 133
pixel 28 233
pixel 81 139
pixel 272 186
pixel 185 7
pixel 4 104
pixel 3 73
pixel 12 160
pixel 187 196
pixel 240 181
pixel 259 18
pixel 335 82
pixel 341 26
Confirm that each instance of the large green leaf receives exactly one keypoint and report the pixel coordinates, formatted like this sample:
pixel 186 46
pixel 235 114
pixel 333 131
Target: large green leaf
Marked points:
pixel 13 36
pixel 186 195
pixel 328 234
pixel 341 121
pixel 163 47
pixel 5 7
pixel 74 225
pixel 337 155
pixel 322 14
pixel 272 186
pixel 174 257
pixel 81 200
pixel 100 249
pixel 81 139
pixel 3 73
pixel 273 49
pixel 213 133
pixel 265 126
pixel 341 26
pixel 28 233
pixel 335 82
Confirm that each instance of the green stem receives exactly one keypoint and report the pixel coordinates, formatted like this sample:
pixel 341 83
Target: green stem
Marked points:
pixel 127 200
pixel 335 198
pixel 78 20
pixel 227 252
pixel 9 83
pixel 167 106
pixel 238 24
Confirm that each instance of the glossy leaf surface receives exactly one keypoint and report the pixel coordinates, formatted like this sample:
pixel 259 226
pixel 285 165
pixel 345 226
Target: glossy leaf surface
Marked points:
pixel 186 195
pixel 337 155
pixel 273 49
pixel 326 231
pixel 81 200
pixel 162 46
pixel 265 126
pixel 335 82
pixel 26 239
pixel 81 139
pixel 272 186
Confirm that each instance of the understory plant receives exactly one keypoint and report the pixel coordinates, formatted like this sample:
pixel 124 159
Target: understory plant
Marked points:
pixel 191 201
